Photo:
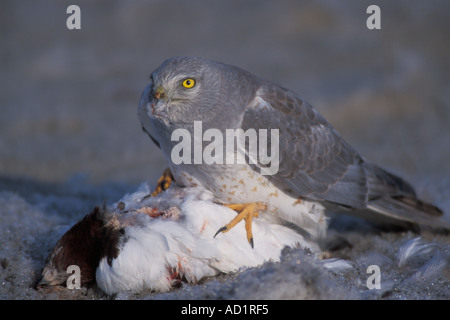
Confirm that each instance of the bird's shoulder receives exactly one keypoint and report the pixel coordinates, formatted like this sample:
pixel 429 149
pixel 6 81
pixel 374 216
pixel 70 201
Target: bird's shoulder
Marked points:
pixel 277 101
pixel 278 107
pixel 314 160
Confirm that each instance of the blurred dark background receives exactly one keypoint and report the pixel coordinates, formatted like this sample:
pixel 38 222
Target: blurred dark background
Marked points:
pixel 68 98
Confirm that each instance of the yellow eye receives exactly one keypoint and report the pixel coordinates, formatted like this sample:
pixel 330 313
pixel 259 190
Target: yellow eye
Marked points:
pixel 188 83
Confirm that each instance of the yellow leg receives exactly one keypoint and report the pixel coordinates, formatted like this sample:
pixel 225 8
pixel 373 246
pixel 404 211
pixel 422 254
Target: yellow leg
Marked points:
pixel 246 212
pixel 163 183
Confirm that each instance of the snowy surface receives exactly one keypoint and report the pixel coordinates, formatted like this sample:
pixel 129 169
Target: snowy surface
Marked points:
pixel 412 266
pixel 70 138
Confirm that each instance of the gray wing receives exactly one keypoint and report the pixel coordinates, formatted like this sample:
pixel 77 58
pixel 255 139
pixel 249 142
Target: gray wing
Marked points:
pixel 317 164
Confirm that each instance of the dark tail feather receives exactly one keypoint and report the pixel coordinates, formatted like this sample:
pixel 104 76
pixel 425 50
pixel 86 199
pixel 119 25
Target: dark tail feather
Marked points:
pixel 409 210
pixel 393 197
pixel 427 208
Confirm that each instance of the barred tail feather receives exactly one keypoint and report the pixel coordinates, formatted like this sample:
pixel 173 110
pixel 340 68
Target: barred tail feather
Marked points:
pixel 409 210
pixel 393 197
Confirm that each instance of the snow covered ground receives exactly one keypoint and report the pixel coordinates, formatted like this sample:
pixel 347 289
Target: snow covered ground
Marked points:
pixel 70 138
pixel 413 266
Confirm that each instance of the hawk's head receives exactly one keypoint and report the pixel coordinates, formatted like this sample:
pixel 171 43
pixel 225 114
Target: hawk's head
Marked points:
pixel 188 89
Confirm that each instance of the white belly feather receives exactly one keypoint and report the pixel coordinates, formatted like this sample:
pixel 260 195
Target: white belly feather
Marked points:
pixel 238 183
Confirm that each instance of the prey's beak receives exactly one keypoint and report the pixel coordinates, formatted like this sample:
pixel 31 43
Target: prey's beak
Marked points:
pixel 49 278
pixel 41 283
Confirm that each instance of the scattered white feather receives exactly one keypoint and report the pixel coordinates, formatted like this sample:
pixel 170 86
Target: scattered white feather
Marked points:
pixel 432 268
pixel 337 265
pixel 411 248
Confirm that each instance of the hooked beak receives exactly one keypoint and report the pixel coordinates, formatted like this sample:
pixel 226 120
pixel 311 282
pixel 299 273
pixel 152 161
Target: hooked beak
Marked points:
pixel 160 93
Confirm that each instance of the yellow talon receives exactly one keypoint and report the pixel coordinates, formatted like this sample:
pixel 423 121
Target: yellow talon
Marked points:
pixel 246 212
pixel 163 183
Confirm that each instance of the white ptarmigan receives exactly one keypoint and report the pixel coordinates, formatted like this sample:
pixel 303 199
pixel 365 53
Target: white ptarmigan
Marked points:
pixel 155 243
